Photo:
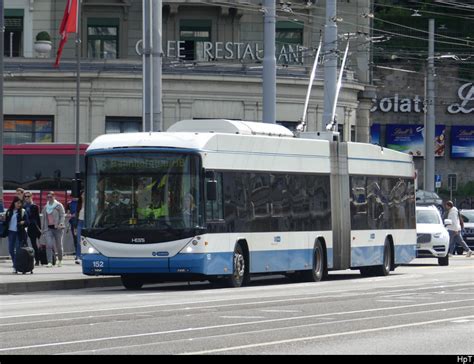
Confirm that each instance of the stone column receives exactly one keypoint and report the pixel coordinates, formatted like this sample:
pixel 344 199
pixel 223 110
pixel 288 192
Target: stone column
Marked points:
pixel 96 125
pixel 170 113
pixel 363 120
pixel 64 125
pixel 185 109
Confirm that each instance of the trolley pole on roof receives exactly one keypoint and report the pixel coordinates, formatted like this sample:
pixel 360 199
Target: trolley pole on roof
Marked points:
pixel 2 48
pixel 269 62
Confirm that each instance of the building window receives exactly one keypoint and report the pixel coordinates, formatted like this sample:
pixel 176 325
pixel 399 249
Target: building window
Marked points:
pixel 13 36
pixel 289 38
pixel 28 129
pixel 115 125
pixel 194 33
pixel 103 38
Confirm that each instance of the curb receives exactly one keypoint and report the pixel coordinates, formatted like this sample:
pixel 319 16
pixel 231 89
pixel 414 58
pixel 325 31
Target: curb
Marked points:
pixel 22 287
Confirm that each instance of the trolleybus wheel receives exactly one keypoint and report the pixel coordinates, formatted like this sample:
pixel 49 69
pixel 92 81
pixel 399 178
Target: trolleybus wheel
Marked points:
pixel 131 282
pixel 239 274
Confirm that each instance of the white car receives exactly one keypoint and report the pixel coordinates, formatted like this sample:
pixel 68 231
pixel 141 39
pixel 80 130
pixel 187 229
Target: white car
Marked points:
pixel 468 233
pixel 432 236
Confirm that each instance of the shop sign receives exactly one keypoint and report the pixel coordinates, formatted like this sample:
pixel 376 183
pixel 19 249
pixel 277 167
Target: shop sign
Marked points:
pixel 410 139
pixel 462 142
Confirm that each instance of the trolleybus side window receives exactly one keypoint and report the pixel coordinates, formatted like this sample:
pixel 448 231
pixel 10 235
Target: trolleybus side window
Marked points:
pixel 215 208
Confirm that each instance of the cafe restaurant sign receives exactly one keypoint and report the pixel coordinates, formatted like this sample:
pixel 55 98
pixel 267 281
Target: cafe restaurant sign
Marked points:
pixel 399 104
pixel 288 53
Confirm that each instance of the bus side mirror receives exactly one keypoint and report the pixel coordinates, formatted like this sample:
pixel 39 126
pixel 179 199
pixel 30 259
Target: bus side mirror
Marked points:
pixel 211 190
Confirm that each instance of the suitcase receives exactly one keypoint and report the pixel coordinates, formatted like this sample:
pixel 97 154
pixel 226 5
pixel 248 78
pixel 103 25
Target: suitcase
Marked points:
pixel 44 258
pixel 25 260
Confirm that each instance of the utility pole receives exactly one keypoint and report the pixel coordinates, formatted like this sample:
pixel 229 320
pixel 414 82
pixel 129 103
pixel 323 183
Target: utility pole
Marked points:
pixel 430 114
pixel 2 48
pixel 330 61
pixel 157 7
pixel 269 62
pixel 147 105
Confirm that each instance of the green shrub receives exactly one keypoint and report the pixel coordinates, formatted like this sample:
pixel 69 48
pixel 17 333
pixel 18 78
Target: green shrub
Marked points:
pixel 42 36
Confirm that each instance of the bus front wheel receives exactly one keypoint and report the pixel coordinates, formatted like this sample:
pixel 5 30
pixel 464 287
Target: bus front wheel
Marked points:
pixel 240 273
pixel 131 283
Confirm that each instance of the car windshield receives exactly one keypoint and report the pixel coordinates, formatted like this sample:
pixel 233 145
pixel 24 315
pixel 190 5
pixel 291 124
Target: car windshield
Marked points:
pixel 156 191
pixel 427 217
pixel 468 216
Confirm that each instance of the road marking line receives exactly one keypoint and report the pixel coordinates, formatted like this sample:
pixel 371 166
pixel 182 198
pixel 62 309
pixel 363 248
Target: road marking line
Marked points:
pixel 256 331
pixel 242 317
pixel 355 332
pixel 227 325
pixel 283 311
pixel 265 301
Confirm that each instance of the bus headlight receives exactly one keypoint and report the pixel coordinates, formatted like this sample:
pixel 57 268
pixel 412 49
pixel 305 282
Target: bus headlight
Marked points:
pixel 92 250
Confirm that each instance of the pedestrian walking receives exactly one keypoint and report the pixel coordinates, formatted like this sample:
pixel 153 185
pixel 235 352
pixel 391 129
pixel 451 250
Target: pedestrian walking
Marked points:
pixel 80 225
pixel 52 225
pixel 16 221
pixel 71 214
pixel 20 193
pixel 34 230
pixel 454 230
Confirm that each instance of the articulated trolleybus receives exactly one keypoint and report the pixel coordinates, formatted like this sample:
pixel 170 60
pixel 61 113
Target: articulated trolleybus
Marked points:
pixel 220 200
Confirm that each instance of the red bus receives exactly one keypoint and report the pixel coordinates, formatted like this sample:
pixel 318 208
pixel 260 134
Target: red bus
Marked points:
pixel 40 168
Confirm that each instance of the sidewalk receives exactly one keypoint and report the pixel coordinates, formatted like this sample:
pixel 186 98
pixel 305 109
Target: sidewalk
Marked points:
pixel 69 276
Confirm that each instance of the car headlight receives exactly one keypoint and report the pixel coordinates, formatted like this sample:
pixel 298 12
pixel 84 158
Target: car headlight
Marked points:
pixel 437 235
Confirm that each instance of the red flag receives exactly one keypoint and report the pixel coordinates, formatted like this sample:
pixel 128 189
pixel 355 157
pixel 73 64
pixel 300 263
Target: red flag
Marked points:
pixel 68 25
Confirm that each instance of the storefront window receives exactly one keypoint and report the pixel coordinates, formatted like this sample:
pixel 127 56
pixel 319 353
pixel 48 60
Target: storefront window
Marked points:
pixel 20 129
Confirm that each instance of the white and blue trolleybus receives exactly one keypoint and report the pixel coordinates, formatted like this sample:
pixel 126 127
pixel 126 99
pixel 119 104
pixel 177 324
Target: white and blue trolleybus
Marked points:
pixel 220 200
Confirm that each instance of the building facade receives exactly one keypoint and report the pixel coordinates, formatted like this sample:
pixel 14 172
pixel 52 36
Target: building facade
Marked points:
pixel 212 67
pixel 398 117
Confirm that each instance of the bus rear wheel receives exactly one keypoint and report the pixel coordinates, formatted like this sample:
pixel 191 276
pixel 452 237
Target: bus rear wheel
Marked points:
pixel 131 282
pixel 384 269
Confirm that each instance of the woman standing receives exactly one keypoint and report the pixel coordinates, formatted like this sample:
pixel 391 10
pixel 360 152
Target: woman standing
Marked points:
pixel 34 231
pixel 16 219
pixel 52 225
pixel 80 224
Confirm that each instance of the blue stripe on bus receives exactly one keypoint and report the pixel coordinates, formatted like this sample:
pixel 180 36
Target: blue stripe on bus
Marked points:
pixel 366 256
pixel 405 253
pixel 373 255
pixel 207 263
pixel 221 263
pixel 284 260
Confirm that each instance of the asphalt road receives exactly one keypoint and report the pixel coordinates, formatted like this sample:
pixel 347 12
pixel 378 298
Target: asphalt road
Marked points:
pixel 419 309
